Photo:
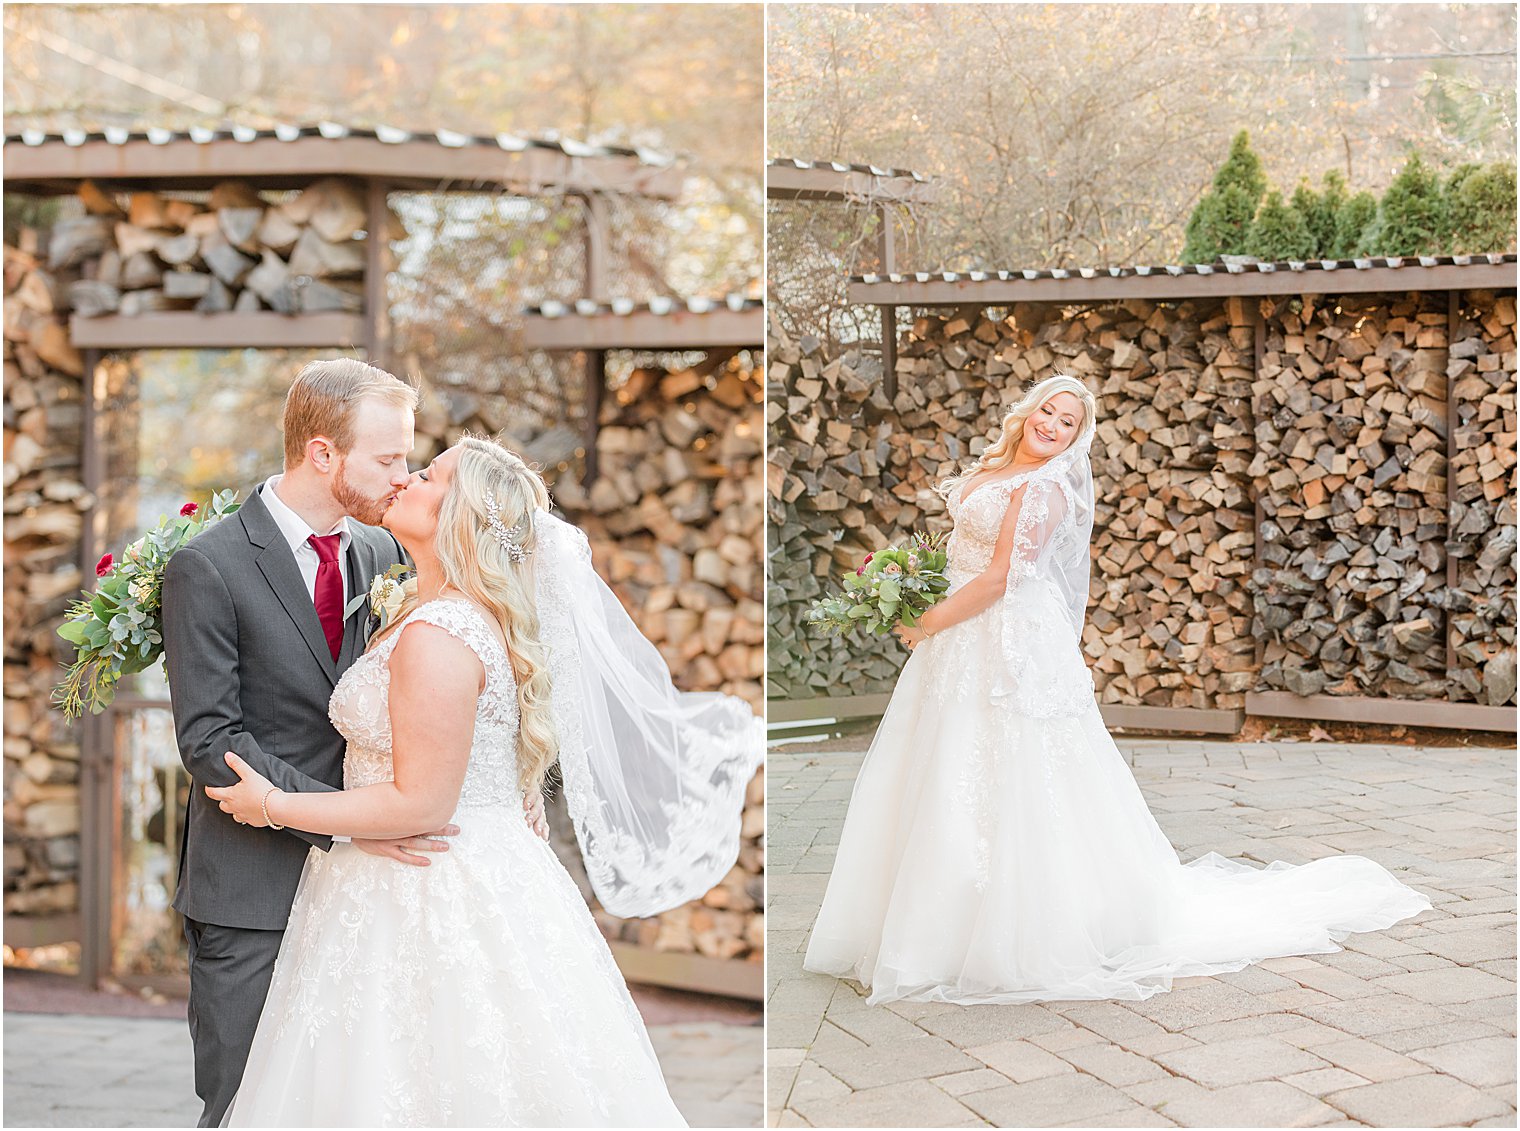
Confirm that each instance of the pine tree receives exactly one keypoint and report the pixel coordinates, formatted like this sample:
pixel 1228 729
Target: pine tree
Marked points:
pixel 1352 221
pixel 1411 215
pixel 1279 231
pixel 1220 222
pixel 1480 209
pixel 1324 211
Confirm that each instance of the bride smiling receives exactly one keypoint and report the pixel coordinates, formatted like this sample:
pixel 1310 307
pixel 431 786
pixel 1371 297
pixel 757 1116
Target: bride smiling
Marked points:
pixel 997 848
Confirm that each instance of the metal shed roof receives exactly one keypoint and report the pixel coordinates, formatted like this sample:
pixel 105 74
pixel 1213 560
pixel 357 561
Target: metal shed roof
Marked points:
pixel 288 155
pixel 791 178
pixel 1235 277
pixel 660 323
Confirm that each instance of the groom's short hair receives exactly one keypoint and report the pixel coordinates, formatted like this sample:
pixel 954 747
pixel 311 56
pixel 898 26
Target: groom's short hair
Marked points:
pixel 325 397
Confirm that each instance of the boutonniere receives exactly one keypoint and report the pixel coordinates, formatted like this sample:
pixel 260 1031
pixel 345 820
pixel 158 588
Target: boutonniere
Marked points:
pixel 386 593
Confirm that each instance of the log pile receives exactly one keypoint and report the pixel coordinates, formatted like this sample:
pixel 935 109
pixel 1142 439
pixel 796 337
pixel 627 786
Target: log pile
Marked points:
pixel 1350 469
pixel 44 505
pixel 1481 602
pixel 674 523
pixel 233 250
pixel 1326 443
pixel 674 518
pixel 842 481
pixel 1169 620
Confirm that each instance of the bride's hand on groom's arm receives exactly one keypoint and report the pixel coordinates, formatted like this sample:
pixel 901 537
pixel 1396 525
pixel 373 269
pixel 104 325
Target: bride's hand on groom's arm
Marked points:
pixel 248 802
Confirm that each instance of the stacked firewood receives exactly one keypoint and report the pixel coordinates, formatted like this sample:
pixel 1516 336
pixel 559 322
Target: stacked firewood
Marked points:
pixel 1351 470
pixel 1168 624
pixel 674 520
pixel 674 517
pixel 234 250
pixel 44 504
pixel 842 481
pixel 1482 540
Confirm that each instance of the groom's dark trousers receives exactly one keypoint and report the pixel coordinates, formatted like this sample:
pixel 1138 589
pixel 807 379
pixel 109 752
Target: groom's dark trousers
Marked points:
pixel 250 671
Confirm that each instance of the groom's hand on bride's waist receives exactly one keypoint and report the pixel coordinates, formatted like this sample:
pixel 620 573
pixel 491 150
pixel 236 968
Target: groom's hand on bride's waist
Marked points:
pixel 405 849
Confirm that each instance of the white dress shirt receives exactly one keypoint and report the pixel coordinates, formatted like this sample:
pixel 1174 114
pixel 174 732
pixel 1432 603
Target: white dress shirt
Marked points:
pixel 296 531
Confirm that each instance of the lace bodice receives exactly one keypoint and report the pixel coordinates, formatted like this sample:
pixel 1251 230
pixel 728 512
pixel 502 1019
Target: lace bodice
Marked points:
pixel 977 522
pixel 360 709
pixel 1039 670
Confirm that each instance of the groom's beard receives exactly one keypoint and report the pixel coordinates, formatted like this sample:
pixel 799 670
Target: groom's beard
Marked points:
pixel 356 505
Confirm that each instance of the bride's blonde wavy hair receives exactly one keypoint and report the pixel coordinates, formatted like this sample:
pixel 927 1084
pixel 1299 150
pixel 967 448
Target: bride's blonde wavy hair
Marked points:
pixel 1001 452
pixel 476 564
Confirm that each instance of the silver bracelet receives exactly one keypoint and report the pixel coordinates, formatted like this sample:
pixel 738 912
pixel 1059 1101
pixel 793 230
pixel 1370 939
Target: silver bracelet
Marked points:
pixel 268 820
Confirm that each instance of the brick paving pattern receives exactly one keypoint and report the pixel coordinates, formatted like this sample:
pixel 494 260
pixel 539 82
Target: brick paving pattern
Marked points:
pixel 1413 1026
pixel 67 1070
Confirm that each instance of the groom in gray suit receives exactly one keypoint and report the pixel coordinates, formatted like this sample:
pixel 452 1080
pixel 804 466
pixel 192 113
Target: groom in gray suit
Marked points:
pixel 254 642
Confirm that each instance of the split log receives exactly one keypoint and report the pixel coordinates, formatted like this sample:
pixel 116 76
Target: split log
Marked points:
pixel 92 298
pixel 321 259
pixel 97 201
pixel 240 226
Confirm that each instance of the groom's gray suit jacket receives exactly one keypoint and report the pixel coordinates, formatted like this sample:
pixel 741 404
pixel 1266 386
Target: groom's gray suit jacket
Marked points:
pixel 250 671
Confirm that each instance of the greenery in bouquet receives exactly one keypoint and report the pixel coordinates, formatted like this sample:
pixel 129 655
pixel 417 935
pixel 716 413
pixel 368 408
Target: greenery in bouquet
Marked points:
pixel 118 629
pixel 892 586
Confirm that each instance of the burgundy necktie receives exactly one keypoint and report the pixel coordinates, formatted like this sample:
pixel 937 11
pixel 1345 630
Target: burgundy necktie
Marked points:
pixel 329 592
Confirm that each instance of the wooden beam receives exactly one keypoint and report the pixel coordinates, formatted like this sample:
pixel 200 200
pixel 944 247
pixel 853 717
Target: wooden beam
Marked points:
pixel 597 227
pixel 1104 287
pixel 190 330
pixel 1366 709
pixel 270 162
pixel 731 978
pixel 42 930
pixel 596 390
pixel 825 707
pixel 678 330
pixel 377 313
pixel 787 182
pixel 97 785
pixel 1193 719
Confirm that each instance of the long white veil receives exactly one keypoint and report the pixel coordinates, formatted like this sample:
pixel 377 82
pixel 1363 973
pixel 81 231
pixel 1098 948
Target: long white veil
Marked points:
pixel 1049 572
pixel 654 777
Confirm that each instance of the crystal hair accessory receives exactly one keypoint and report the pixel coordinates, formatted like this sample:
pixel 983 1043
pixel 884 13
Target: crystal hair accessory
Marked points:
pixel 509 538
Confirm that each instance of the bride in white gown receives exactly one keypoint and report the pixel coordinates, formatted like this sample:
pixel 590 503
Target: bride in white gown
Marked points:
pixel 478 991
pixel 997 848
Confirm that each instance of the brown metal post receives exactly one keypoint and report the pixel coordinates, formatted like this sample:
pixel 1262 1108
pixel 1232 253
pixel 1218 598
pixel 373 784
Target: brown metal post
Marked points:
pixel 887 253
pixel 596 386
pixel 377 314
pixel 96 748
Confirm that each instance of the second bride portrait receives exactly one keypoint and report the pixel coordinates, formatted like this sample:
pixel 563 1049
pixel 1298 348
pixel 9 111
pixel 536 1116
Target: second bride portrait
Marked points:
pixel 997 848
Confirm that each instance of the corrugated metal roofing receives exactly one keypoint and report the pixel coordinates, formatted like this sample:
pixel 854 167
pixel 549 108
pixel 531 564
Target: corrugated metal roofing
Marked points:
pixel 1232 267
pixel 840 167
pixel 390 135
pixel 585 308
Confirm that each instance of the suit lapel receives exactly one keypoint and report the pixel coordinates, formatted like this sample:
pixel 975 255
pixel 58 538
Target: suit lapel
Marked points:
pixel 278 565
pixel 362 567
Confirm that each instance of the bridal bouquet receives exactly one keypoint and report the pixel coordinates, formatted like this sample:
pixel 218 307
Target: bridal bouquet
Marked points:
pixel 118 629
pixel 892 586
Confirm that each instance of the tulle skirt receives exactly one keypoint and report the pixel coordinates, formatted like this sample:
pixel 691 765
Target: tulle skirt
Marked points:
pixel 992 855
pixel 476 992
